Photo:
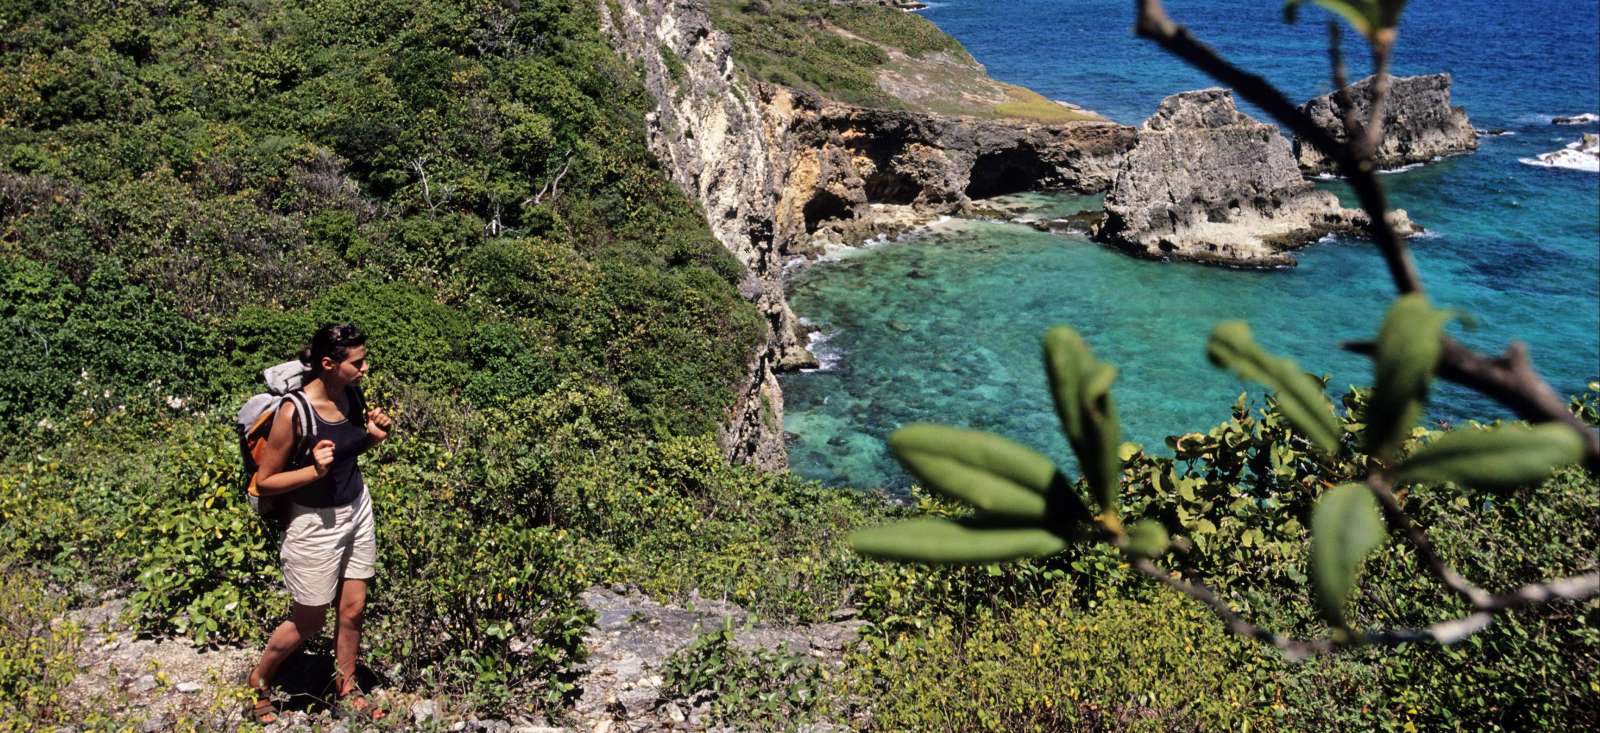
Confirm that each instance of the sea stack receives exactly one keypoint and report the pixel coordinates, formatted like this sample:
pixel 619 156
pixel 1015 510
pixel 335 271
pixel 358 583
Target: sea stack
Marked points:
pixel 1207 183
pixel 1418 122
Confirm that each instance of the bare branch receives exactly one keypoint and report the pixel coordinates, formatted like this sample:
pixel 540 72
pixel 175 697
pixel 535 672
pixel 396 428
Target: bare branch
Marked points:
pixel 1353 129
pixel 552 186
pixel 427 193
pixel 1154 24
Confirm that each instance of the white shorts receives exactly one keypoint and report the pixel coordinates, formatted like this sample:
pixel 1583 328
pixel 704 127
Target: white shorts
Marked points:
pixel 322 545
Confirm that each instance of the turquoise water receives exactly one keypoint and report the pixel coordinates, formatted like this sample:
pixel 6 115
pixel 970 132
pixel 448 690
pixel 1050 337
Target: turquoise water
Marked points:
pixel 946 326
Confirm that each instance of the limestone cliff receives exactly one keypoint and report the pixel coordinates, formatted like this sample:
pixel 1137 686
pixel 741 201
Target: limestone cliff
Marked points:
pixel 778 171
pixel 1418 122
pixel 1207 183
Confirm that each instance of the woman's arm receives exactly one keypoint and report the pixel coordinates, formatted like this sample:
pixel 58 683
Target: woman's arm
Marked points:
pixel 271 478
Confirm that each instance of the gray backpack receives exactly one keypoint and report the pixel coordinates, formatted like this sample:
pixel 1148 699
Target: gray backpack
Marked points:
pixel 254 423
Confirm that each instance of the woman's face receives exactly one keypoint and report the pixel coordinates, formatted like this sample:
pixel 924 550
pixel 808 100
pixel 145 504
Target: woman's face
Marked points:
pixel 351 370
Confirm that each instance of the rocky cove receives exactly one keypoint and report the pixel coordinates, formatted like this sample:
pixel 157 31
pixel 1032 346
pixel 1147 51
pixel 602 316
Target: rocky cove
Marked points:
pixel 779 172
pixel 782 174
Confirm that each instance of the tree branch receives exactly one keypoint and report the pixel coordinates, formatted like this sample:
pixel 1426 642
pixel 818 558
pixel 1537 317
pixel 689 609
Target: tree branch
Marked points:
pixel 551 186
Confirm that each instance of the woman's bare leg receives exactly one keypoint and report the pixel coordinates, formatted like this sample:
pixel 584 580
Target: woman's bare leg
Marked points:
pixel 304 622
pixel 351 603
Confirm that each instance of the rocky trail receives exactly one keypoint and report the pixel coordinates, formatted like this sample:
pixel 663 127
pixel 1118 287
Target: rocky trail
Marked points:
pixel 165 684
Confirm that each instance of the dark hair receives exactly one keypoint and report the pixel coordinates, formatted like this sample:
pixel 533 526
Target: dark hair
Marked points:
pixel 333 340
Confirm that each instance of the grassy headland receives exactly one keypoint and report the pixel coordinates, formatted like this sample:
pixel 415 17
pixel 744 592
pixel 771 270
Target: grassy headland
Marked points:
pixel 873 56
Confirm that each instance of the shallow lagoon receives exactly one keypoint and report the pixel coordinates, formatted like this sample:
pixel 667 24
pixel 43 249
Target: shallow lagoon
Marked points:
pixel 945 326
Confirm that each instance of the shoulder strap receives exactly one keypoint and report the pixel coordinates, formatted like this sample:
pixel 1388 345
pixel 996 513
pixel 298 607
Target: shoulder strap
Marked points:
pixel 305 423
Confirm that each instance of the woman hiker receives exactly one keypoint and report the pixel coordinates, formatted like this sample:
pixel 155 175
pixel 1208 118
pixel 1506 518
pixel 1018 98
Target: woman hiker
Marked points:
pixel 329 550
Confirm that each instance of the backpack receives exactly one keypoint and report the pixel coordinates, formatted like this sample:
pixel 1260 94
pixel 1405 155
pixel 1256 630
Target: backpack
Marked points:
pixel 254 423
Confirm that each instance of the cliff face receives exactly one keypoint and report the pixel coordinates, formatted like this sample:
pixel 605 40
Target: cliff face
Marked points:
pixel 1207 183
pixel 778 172
pixel 1419 123
pixel 715 143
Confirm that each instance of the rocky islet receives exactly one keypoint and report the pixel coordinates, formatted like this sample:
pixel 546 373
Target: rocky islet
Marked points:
pixel 1207 183
pixel 1419 124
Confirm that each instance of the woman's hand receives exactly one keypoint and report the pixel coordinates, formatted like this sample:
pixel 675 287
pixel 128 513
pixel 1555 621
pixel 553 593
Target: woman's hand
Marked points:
pixel 322 456
pixel 378 424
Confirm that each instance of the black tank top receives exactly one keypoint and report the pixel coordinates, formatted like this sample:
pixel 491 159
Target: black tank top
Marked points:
pixel 342 483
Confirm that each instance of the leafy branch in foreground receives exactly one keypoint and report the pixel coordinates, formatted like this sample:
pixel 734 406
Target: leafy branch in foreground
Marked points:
pixel 1028 508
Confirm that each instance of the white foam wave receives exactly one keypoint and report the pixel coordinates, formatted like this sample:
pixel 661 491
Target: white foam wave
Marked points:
pixel 1408 167
pixel 817 343
pixel 1575 156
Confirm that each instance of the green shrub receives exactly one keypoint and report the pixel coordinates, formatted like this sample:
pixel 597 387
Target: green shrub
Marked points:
pixel 749 689
pixel 37 650
pixel 1154 663
pixel 207 563
pixel 410 335
pixel 107 343
pixel 488 612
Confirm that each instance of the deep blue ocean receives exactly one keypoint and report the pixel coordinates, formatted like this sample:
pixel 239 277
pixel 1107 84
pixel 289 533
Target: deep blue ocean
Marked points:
pixel 945 326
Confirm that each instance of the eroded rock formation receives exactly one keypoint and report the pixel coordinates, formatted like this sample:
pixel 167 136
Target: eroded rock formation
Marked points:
pixel 1418 122
pixel 778 172
pixel 846 160
pixel 1207 183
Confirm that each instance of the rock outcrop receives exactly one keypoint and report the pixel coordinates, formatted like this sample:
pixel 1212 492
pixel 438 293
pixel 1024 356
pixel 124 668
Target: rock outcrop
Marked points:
pixel 1207 183
pixel 1418 122
pixel 846 160
pixel 779 172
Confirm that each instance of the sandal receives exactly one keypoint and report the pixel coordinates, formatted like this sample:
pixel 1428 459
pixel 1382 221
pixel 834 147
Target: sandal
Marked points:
pixel 355 701
pixel 263 709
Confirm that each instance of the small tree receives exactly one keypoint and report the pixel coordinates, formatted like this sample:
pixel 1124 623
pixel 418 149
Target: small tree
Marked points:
pixel 1029 508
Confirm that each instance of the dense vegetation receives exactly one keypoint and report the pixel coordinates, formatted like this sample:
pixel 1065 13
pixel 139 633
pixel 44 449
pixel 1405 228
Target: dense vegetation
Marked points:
pixel 187 188
pixel 1080 640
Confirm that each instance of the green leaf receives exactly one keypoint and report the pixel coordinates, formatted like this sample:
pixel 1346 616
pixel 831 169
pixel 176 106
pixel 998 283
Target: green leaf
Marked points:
pixel 1148 538
pixel 981 469
pixel 1409 344
pixel 1345 526
pixel 1369 17
pixel 1299 395
pixel 1081 387
pixel 981 539
pixel 1503 457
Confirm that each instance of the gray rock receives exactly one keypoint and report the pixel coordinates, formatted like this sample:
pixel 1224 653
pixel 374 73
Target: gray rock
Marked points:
pixel 423 712
pixel 187 687
pixel 1207 183
pixel 1418 122
pixel 145 683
